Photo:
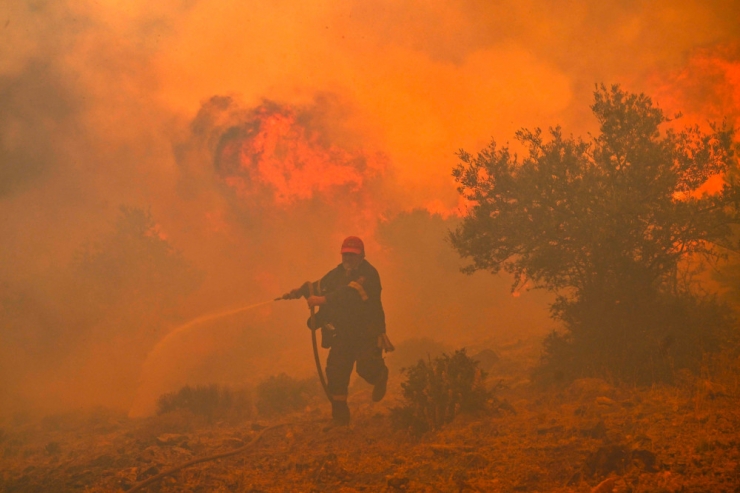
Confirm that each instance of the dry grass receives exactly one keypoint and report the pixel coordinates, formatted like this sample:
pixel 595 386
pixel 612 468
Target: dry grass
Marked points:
pixel 667 439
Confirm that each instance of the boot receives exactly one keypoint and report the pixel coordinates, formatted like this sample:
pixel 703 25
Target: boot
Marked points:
pixel 381 385
pixel 340 412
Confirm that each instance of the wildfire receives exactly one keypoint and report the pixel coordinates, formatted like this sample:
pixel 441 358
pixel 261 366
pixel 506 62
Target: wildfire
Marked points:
pixel 282 152
pixel 707 87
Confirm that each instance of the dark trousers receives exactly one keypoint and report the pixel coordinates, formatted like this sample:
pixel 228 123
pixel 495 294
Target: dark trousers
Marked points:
pixel 344 353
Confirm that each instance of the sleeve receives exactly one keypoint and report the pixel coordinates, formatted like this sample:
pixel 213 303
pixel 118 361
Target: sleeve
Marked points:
pixel 376 314
pixel 305 290
pixel 323 314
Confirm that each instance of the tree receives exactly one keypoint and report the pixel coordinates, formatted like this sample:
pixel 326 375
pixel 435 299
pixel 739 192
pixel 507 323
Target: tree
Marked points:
pixel 608 224
pixel 132 273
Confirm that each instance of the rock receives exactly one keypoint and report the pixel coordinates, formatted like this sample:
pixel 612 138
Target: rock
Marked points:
pixel 171 439
pixel 606 486
pixel 179 451
pixel 605 401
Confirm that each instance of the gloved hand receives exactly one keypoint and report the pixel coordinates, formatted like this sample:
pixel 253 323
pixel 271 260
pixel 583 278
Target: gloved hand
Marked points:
pixel 296 293
pixel 316 301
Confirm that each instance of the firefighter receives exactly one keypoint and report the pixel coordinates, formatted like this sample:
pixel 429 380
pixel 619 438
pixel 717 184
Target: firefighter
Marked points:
pixel 352 325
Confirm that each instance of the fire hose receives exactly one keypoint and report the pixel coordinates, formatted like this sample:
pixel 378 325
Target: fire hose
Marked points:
pixel 314 327
pixel 383 342
pixel 169 472
pixel 322 378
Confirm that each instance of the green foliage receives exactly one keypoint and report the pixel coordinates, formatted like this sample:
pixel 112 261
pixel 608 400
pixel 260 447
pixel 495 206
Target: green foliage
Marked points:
pixel 281 394
pixel 607 224
pixel 209 401
pixel 439 389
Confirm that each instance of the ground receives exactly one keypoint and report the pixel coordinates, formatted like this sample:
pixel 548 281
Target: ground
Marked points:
pixel 586 436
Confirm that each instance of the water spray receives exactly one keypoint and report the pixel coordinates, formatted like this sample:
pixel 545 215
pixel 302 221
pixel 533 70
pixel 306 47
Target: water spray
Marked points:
pixel 197 321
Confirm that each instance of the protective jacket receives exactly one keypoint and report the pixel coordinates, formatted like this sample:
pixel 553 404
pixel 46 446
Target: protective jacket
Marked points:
pixel 353 305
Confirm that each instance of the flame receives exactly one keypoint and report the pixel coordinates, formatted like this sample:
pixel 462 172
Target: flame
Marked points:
pixel 277 152
pixel 705 88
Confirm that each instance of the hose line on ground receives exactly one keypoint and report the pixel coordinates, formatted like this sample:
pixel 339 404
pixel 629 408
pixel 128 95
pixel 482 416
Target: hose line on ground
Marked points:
pixel 158 477
pixel 162 475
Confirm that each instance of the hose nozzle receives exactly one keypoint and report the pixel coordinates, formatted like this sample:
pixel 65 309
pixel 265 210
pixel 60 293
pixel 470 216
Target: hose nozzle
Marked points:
pixel 294 294
pixel 288 296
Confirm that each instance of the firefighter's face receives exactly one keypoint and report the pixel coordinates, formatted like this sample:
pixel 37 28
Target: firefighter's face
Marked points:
pixel 351 261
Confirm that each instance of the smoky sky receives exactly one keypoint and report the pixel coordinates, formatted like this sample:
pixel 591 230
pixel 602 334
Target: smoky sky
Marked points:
pixel 154 108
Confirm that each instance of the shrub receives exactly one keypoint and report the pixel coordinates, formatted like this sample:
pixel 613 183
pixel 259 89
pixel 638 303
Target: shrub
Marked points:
pixel 642 341
pixel 280 394
pixel 209 401
pixel 613 225
pixel 439 389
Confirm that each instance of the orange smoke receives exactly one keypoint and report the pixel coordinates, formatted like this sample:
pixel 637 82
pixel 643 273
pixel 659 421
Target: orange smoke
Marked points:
pixel 275 152
pixel 281 168
pixel 706 88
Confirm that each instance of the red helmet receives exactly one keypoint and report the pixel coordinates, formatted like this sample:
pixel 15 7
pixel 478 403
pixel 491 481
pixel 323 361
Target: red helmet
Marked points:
pixel 353 244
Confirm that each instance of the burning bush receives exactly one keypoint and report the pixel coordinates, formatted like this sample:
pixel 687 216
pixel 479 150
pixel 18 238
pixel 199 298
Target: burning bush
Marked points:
pixel 437 390
pixel 282 394
pixel 209 401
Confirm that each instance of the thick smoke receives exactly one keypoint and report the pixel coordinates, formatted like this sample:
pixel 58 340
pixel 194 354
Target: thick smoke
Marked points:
pixel 164 160
pixel 706 88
